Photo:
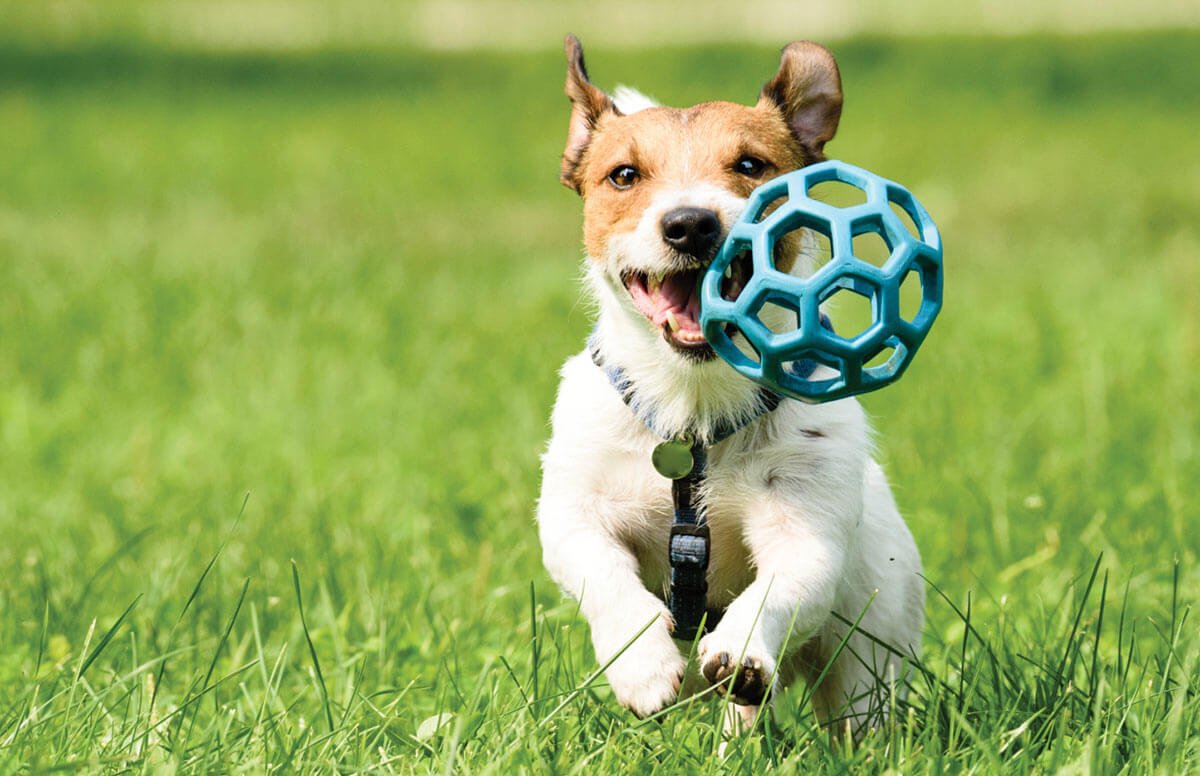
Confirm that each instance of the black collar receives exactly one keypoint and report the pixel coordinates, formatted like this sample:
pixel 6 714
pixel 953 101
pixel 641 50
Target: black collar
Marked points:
pixel 767 401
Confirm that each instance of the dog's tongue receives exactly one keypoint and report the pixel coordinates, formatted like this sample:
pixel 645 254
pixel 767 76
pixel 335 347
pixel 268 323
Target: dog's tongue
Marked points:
pixel 676 298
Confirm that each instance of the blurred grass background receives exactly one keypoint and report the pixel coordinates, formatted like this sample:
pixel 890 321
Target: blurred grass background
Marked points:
pixel 275 301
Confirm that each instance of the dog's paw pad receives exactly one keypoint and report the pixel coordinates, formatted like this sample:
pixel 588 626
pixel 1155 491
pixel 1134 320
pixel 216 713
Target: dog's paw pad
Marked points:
pixel 746 682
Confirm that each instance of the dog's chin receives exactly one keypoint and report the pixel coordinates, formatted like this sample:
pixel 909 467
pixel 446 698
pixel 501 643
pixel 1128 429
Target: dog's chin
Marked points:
pixel 689 351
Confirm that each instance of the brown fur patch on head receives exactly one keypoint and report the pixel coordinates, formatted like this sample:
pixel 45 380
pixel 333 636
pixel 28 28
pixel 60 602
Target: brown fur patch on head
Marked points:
pixel 674 148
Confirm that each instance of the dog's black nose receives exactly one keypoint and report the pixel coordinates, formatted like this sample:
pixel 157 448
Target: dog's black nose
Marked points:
pixel 692 230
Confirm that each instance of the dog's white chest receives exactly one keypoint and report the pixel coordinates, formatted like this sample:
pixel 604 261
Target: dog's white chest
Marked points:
pixel 643 521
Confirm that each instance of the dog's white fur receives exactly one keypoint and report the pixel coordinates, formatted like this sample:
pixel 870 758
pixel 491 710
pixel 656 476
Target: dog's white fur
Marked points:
pixel 802 519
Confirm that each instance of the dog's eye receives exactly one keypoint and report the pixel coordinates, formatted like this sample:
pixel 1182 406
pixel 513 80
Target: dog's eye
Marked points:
pixel 749 166
pixel 623 177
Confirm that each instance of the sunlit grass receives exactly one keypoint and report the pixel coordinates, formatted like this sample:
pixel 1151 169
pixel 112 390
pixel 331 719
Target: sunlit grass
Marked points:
pixel 309 308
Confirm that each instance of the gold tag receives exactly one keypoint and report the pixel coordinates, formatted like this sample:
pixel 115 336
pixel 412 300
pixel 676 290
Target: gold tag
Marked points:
pixel 673 458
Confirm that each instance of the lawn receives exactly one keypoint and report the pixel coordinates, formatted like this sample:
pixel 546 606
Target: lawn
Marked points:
pixel 278 340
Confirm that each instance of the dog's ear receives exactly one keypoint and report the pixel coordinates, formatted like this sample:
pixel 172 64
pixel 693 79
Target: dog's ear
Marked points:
pixel 807 90
pixel 588 104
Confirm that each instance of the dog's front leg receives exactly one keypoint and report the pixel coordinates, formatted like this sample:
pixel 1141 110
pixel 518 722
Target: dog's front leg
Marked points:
pixel 799 548
pixel 602 573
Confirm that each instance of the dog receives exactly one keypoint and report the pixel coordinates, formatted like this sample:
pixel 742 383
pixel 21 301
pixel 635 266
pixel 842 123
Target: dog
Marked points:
pixel 806 538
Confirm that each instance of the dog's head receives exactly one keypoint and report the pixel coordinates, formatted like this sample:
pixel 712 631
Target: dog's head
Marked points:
pixel 661 186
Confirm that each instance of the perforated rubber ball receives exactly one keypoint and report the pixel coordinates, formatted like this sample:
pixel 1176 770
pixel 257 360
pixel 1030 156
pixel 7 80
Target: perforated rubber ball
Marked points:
pixel 787 359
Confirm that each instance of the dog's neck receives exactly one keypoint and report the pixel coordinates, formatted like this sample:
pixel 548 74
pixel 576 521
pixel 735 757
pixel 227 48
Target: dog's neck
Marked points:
pixel 683 395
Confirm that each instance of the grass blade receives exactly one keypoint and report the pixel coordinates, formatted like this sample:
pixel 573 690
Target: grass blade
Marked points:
pixel 312 650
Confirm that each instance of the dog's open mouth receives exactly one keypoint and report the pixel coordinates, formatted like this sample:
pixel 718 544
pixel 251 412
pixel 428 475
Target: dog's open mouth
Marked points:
pixel 672 301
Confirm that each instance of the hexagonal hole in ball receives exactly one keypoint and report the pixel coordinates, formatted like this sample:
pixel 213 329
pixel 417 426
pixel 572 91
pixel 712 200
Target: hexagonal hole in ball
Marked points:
pixel 742 344
pixel 837 193
pixel 851 310
pixel 887 361
pixel 912 295
pixel 802 251
pixel 779 318
pixel 870 246
pixel 737 275
pixel 905 218
pixel 880 358
pixel 810 365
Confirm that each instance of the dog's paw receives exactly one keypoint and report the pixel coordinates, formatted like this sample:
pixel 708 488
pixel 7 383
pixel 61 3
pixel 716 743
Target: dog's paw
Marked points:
pixel 747 681
pixel 646 677
pixel 646 692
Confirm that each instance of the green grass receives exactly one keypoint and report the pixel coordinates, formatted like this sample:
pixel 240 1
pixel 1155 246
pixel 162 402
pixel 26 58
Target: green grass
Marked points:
pixel 278 341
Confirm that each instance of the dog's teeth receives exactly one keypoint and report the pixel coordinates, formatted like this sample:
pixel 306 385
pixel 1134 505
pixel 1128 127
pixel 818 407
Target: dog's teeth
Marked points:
pixel 729 271
pixel 674 324
pixel 654 283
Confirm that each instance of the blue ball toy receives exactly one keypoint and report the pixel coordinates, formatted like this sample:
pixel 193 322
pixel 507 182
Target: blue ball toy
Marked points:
pixel 787 357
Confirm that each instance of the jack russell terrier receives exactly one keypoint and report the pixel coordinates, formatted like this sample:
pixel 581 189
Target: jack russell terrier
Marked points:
pixel 805 536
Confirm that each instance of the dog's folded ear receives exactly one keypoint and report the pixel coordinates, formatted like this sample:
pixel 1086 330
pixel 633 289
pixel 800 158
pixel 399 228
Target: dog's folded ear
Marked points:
pixel 588 104
pixel 807 90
